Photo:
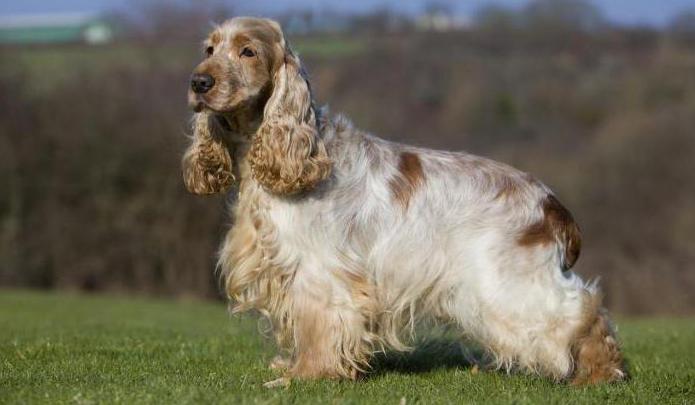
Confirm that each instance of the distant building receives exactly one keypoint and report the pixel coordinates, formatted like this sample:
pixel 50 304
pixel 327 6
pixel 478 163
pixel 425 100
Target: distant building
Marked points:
pixel 54 28
pixel 441 21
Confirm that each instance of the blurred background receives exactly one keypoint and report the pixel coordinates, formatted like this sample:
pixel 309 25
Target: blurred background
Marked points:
pixel 597 99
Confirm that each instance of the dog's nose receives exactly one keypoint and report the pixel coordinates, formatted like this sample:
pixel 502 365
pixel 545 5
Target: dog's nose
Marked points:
pixel 201 83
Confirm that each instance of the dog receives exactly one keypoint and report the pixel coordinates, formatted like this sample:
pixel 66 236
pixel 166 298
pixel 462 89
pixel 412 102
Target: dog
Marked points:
pixel 345 241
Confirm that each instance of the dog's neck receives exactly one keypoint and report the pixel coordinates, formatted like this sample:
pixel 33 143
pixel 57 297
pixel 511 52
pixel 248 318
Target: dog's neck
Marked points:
pixel 241 126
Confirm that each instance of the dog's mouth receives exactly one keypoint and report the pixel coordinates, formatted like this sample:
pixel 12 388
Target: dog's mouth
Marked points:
pixel 198 104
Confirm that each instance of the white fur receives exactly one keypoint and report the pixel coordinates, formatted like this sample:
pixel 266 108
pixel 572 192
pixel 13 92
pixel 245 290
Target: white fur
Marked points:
pixel 453 255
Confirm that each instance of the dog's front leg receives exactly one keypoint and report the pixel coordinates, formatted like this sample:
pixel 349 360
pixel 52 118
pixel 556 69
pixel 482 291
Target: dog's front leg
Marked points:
pixel 330 340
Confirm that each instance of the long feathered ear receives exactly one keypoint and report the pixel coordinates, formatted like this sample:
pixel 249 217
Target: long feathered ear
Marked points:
pixel 287 155
pixel 206 164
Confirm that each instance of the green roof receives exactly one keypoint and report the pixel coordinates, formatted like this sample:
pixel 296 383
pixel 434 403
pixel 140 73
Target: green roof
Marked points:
pixel 53 29
pixel 40 34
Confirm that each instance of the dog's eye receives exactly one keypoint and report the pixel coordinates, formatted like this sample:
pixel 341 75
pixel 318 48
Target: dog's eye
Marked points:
pixel 208 51
pixel 248 52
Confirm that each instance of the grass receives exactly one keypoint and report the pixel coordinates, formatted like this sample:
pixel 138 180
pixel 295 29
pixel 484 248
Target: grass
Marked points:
pixel 67 348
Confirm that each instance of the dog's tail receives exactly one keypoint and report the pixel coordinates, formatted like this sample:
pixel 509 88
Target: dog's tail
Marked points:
pixel 557 226
pixel 566 231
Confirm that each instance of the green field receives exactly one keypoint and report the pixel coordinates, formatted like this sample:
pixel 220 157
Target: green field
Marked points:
pixel 64 348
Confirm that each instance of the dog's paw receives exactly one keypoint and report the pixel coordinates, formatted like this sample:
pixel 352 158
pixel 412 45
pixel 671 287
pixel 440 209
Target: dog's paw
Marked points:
pixel 281 382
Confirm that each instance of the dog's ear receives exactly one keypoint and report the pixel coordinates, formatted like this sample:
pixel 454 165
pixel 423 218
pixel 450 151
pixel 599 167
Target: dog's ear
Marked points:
pixel 206 164
pixel 287 155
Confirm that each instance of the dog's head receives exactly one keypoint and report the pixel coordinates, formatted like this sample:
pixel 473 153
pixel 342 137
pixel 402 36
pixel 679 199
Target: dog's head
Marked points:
pixel 249 74
pixel 241 57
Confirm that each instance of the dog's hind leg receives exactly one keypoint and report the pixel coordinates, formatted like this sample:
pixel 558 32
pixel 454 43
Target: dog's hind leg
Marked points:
pixel 533 316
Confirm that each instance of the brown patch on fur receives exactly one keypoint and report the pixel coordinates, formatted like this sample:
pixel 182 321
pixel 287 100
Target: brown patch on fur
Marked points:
pixel 239 41
pixel 595 350
pixel 215 38
pixel 557 225
pixel 409 178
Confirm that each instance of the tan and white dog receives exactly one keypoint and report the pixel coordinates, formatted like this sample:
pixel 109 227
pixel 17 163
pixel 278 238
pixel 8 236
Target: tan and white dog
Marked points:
pixel 345 241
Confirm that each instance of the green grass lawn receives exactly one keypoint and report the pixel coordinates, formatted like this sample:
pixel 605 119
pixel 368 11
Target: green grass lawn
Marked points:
pixel 64 348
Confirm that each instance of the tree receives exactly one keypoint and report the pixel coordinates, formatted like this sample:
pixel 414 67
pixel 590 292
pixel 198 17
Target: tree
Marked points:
pixel 563 15
pixel 164 21
pixel 683 25
pixel 496 18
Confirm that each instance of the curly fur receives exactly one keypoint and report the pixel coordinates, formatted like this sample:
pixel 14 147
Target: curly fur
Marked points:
pixel 346 241
pixel 207 165
pixel 287 156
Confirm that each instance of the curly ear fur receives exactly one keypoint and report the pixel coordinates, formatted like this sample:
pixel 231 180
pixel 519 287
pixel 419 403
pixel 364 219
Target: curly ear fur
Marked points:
pixel 207 165
pixel 287 155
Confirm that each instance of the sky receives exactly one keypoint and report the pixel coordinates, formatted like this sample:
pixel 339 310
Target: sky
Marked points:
pixel 631 12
